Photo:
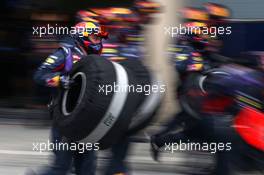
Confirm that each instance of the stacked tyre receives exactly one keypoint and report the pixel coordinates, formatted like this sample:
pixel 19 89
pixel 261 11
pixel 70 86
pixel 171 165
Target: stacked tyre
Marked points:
pixel 93 110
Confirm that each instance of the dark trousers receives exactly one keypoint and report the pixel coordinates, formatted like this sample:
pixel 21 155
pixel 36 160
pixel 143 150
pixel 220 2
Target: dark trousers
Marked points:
pixel 85 163
pixel 117 162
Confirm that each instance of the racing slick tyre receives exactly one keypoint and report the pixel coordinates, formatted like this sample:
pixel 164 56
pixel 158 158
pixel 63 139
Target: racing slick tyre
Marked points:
pixel 91 110
pixel 149 101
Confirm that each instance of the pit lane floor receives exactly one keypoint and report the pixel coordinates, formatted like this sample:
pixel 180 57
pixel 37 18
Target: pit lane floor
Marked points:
pixel 16 154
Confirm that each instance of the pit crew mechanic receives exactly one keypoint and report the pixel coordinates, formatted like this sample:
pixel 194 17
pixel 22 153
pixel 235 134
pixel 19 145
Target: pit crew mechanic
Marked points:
pixel 53 73
pixel 189 60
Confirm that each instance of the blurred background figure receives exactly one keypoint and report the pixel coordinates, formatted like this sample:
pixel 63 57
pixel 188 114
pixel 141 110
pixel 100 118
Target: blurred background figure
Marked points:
pixel 190 55
pixel 196 55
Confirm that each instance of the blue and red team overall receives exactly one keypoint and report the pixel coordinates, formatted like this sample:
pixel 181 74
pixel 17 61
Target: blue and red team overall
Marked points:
pixel 52 73
pixel 191 53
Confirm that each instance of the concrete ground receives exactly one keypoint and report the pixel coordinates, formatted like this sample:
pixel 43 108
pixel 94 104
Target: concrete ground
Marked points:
pixel 16 153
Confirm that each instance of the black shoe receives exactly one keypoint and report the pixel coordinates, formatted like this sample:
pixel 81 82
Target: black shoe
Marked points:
pixel 154 149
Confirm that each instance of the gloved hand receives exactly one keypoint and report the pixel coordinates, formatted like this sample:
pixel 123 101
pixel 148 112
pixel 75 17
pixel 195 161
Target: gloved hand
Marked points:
pixel 65 81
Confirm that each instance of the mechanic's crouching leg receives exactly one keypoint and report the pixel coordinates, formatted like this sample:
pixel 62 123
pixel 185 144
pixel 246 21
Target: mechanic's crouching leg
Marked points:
pixel 118 165
pixel 85 163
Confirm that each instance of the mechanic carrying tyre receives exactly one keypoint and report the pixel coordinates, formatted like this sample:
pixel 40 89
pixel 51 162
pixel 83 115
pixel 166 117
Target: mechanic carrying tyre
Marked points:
pixel 85 110
pixel 54 73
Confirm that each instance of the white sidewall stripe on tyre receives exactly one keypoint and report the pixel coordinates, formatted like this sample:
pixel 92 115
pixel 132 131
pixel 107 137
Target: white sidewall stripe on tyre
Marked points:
pixel 114 109
pixel 149 105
